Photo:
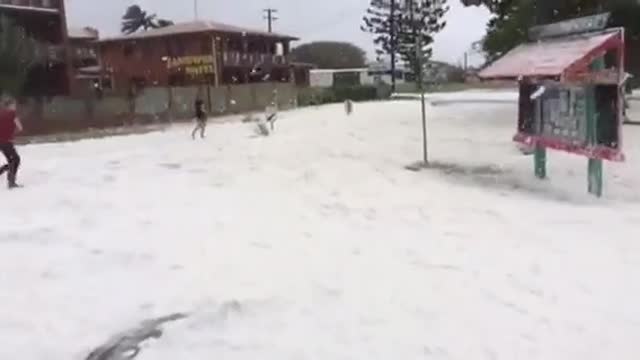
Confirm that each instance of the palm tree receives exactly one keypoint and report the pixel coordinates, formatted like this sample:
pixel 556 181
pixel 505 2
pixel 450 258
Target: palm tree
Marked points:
pixel 163 23
pixel 135 19
pixel 18 53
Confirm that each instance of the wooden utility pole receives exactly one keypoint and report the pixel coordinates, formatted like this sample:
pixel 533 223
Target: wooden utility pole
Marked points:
pixel 270 17
pixel 419 77
pixel 393 39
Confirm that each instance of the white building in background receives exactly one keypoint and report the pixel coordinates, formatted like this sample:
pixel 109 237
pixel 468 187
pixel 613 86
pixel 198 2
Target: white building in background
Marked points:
pixel 358 76
pixel 376 73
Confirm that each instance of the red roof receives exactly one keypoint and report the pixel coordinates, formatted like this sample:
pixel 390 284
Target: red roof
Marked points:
pixel 196 27
pixel 546 58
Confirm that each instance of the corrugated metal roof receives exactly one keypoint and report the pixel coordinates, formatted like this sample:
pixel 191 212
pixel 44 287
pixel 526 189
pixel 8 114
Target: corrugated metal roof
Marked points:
pixel 547 58
pixel 82 33
pixel 195 27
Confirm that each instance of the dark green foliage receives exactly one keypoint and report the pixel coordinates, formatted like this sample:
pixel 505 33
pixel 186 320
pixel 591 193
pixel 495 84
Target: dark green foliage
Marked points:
pixel 512 18
pixel 355 93
pixel 508 27
pixel 330 55
pixel 135 19
pixel 18 53
pixel 397 34
pixel 424 20
pixel 338 95
pixel 384 26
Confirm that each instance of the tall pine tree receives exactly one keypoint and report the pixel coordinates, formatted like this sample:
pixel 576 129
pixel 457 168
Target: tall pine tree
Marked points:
pixel 421 19
pixel 383 21
pixel 397 24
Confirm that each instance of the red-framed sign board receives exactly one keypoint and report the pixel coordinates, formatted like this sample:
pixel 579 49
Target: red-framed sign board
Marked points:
pixel 571 77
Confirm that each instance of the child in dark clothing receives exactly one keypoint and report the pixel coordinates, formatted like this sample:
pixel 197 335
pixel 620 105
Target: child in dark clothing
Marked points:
pixel 10 125
pixel 201 119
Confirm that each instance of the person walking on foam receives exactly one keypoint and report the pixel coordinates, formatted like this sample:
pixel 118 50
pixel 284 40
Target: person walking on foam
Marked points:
pixel 10 125
pixel 201 119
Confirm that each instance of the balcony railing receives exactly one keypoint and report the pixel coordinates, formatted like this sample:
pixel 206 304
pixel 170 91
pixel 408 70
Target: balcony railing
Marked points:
pixel 42 5
pixel 84 54
pixel 50 53
pixel 234 58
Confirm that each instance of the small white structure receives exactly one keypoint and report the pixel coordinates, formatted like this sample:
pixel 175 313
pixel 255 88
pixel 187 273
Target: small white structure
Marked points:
pixel 327 77
pixel 371 75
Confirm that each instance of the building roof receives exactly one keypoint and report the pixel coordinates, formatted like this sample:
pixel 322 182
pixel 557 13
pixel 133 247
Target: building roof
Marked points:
pixel 546 58
pixel 83 33
pixel 45 10
pixel 196 27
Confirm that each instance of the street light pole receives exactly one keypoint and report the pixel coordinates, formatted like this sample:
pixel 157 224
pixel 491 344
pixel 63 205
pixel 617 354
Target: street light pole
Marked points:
pixel 195 9
pixel 419 77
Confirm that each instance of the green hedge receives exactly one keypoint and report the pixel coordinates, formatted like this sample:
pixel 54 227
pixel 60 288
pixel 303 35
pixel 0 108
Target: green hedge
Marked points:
pixel 340 94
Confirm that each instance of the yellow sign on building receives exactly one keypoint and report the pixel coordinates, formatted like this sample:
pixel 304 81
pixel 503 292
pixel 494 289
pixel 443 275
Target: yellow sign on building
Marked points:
pixel 193 65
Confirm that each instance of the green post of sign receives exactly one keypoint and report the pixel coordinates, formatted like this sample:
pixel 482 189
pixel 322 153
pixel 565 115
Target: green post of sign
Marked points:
pixel 540 162
pixel 595 165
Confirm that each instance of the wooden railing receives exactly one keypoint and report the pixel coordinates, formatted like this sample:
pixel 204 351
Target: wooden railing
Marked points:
pixel 234 58
pixel 84 54
pixel 50 53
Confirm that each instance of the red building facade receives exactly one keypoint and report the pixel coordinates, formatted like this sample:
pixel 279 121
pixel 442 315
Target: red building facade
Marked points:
pixel 195 53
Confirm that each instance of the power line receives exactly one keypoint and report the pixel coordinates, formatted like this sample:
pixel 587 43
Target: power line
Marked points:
pixel 270 17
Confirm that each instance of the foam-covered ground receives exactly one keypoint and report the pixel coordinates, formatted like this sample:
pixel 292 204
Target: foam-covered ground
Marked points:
pixel 322 242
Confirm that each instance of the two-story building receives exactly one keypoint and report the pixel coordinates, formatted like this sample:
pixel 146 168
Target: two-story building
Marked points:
pixel 45 21
pixel 83 47
pixel 85 60
pixel 195 53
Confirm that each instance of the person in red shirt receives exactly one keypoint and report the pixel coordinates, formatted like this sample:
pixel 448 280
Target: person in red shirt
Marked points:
pixel 9 126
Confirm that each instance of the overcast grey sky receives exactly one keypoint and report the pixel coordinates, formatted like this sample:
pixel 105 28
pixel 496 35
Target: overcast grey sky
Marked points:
pixel 309 20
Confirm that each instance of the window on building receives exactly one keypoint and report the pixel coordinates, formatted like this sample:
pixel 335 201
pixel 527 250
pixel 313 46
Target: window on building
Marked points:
pixel 168 47
pixel 205 45
pixel 176 47
pixel 147 50
pixel 210 79
pixel 128 49
pixel 409 77
pixel 107 83
pixel 346 79
pixel 180 47
pixel 177 79
pixel 565 102
pixel 611 59
pixel 235 44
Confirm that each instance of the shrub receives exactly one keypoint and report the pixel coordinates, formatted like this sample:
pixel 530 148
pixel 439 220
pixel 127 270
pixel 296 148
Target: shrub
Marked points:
pixel 340 94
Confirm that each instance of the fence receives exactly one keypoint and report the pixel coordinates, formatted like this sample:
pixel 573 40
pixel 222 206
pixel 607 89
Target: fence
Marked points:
pixel 157 104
